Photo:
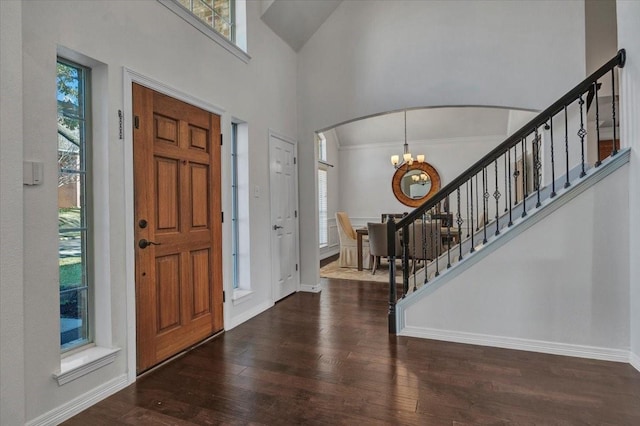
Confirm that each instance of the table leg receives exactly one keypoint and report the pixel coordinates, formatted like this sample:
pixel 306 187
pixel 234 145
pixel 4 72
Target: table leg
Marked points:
pixel 359 239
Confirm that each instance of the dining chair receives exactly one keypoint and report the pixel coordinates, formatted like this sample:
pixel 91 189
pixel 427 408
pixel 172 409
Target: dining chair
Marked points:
pixel 349 243
pixel 378 243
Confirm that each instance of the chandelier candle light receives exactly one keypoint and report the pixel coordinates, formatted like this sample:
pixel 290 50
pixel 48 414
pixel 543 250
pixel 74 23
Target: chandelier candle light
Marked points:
pixel 406 157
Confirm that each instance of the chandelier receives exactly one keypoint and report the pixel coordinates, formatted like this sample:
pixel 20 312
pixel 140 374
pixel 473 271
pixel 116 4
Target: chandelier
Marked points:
pixel 406 156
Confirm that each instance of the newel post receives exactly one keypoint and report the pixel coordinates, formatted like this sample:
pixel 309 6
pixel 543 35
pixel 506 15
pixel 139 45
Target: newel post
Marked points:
pixel 391 244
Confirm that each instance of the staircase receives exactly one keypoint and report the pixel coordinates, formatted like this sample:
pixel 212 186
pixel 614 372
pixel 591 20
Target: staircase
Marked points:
pixel 534 172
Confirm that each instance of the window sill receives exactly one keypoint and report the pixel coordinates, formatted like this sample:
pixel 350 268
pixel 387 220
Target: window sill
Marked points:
pixel 84 362
pixel 241 296
pixel 204 29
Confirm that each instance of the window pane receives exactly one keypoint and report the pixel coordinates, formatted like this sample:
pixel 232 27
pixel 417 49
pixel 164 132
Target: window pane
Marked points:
pixel 73 232
pixel 74 323
pixel 323 231
pixel 202 11
pixel 218 14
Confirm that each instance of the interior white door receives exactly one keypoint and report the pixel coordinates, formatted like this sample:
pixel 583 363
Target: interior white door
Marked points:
pixel 285 276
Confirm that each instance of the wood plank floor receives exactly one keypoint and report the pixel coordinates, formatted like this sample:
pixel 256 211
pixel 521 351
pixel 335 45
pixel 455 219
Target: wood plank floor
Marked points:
pixel 327 359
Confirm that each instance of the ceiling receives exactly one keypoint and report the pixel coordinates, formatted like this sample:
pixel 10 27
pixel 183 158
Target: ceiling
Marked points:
pixel 432 124
pixel 295 21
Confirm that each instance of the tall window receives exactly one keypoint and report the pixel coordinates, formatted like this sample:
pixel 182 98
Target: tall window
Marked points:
pixel 235 231
pixel 323 230
pixel 217 14
pixel 74 228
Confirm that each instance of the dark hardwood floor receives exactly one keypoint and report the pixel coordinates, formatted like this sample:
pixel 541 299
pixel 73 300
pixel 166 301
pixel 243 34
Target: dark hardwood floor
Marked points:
pixel 327 359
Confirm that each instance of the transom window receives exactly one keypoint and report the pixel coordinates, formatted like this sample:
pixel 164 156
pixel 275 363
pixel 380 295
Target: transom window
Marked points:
pixel 217 14
pixel 74 228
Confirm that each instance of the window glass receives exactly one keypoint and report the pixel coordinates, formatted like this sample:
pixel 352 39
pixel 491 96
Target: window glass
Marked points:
pixel 323 230
pixel 234 206
pixel 217 14
pixel 73 224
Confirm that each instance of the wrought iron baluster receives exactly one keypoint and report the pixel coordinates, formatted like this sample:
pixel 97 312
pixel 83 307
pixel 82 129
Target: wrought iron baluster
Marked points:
pixel 595 88
pixel 506 178
pixel 524 177
pixel 613 109
pixel 459 222
pixel 485 198
pixel 496 195
pixel 477 219
pixel 537 165
pixel 553 164
pixel 581 133
pixel 448 233
pixel 509 192
pixel 516 173
pixel 473 247
pixel 469 183
pixel 566 147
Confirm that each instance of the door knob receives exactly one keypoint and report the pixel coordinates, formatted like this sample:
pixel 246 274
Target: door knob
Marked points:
pixel 145 243
pixel 276 227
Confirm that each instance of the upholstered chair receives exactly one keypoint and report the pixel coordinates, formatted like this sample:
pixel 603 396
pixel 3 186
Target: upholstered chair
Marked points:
pixel 424 241
pixel 378 243
pixel 349 243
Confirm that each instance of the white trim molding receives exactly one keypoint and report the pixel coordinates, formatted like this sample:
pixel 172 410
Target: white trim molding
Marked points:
pixel 84 362
pixel 634 360
pixel 308 288
pixel 246 316
pixel 128 78
pixel 555 348
pixel 84 401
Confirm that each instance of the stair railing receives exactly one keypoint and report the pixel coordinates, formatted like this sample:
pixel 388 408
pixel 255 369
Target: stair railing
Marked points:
pixel 505 182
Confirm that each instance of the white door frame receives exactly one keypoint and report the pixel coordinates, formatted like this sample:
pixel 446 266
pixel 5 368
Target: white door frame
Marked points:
pixel 274 134
pixel 130 77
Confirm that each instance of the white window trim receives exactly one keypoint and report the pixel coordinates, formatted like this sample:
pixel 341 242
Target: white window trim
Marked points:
pixel 207 31
pixel 88 358
pixel 83 362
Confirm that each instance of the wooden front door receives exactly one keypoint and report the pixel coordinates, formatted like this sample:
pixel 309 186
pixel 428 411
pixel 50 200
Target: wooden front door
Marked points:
pixel 176 149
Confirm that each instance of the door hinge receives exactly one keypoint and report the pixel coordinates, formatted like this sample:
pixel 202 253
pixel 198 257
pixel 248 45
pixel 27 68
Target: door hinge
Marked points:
pixel 296 266
pixel 221 136
pixel 295 160
pixel 295 213
pixel 224 296
pixel 222 217
pixel 136 122
pixel 120 125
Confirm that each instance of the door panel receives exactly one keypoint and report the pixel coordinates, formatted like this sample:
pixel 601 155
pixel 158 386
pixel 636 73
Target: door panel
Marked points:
pixel 177 198
pixel 283 190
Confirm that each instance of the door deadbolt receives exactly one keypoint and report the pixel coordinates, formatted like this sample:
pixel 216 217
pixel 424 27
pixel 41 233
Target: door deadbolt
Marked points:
pixel 142 223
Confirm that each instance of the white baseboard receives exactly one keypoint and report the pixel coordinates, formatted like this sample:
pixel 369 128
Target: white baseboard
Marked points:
pixel 81 403
pixel 236 321
pixel 555 348
pixel 634 360
pixel 308 288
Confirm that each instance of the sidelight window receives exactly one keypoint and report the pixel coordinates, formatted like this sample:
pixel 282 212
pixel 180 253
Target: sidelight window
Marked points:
pixel 74 227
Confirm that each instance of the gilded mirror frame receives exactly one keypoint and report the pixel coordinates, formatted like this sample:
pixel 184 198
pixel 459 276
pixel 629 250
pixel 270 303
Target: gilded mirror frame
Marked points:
pixel 397 187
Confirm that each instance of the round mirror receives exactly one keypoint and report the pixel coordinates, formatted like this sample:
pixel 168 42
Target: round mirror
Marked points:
pixel 414 184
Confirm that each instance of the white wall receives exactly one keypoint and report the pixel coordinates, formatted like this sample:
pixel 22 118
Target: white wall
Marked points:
pixel 148 38
pixel 629 38
pixel 12 404
pixel 370 58
pixel 564 282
